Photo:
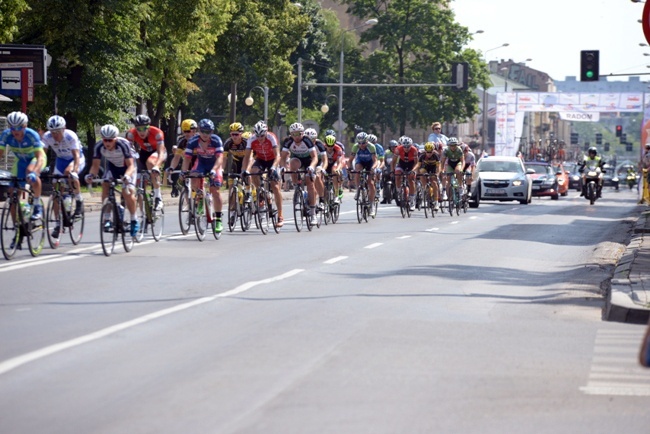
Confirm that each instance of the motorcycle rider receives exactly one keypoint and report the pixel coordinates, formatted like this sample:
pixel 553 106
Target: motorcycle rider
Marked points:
pixel 592 160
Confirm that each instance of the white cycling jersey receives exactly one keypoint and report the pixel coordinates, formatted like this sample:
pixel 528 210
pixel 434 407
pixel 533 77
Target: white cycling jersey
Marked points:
pixel 64 148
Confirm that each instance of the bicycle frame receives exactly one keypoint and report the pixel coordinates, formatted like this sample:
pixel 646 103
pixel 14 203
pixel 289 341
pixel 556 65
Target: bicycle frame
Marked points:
pixel 17 224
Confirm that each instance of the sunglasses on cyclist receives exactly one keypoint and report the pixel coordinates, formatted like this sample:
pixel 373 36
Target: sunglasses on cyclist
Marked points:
pixel 20 128
pixel 205 131
pixel 142 129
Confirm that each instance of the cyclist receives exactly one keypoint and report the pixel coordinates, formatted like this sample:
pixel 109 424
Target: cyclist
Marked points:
pixel 363 156
pixel 335 163
pixel 380 161
pixel 452 162
pixel 321 166
pixel 25 143
pixel 344 161
pixel 70 158
pixel 208 149
pixel 592 159
pixel 149 142
pixel 264 146
pixel 406 156
pixel 470 165
pixel 302 153
pixel 234 149
pixel 118 154
pixel 189 129
pixel 388 163
pixel 429 163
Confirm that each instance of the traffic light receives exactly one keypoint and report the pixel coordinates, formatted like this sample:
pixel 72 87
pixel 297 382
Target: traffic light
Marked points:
pixel 574 138
pixel 607 147
pixel 599 139
pixel 589 61
pixel 460 75
pixel 619 130
pixel 629 147
pixel 623 138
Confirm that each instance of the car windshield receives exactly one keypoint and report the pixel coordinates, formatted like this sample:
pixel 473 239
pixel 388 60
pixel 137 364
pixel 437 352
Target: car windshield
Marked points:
pixel 499 166
pixel 540 169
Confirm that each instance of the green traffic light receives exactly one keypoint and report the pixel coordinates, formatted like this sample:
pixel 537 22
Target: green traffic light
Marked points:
pixel 590 74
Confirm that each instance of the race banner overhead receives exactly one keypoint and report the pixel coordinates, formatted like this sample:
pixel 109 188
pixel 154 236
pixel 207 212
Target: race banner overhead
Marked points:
pixel 580 117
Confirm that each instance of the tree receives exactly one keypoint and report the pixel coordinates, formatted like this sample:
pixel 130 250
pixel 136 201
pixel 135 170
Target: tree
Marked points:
pixel 10 11
pixel 419 40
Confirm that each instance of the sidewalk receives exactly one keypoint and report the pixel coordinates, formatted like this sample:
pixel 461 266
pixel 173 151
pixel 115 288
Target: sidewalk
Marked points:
pixel 629 297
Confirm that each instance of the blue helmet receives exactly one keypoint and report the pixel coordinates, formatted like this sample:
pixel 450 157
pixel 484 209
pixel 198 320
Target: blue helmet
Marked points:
pixel 206 124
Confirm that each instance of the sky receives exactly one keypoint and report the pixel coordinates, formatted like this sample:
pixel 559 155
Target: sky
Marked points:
pixel 553 32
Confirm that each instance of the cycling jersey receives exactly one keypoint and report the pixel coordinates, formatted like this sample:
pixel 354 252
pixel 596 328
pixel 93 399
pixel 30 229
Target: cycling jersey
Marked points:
pixel 406 156
pixel 63 150
pixel 264 149
pixel 25 150
pixel 150 143
pixel 429 163
pixel 380 151
pixel 236 150
pixel 115 157
pixel 363 155
pixel 333 154
pixel 300 150
pixel 453 155
pixel 205 153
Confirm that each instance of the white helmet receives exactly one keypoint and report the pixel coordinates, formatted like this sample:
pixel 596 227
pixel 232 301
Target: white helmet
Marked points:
pixel 362 137
pixel 16 119
pixel 296 128
pixel 109 132
pixel 405 141
pixel 55 123
pixel 372 138
pixel 260 128
pixel 311 133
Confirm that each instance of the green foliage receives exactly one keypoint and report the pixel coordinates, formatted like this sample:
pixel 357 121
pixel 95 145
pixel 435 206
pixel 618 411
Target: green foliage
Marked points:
pixel 10 11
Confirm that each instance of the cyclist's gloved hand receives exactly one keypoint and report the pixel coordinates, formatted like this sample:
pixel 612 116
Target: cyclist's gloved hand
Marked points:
pixel 32 177
pixel 127 179
pixel 213 174
pixel 245 174
pixel 89 178
pixel 155 169
pixel 169 170
pixel 74 175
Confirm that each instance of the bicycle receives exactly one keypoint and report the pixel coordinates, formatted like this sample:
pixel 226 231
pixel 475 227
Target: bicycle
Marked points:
pixel 111 220
pixel 454 194
pixel 239 204
pixel 146 213
pixel 332 206
pixel 60 216
pixel 361 196
pixel 199 207
pixel 17 222
pixel 428 201
pixel 403 197
pixel 265 210
pixel 301 203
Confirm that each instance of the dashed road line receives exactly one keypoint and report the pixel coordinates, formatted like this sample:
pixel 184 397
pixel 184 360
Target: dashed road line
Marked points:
pixel 334 260
pixel 372 246
pixel 403 237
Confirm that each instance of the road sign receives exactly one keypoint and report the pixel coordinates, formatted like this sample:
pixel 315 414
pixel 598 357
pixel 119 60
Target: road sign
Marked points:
pixel 35 54
pixel 336 125
pixel 10 79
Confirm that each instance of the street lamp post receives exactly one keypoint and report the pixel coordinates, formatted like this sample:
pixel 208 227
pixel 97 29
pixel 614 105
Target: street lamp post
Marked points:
pixel 325 108
pixel 249 101
pixel 339 128
pixel 484 126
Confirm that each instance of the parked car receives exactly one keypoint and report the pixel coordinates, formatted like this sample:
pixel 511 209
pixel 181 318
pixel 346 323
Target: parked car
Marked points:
pixel 502 179
pixel 562 178
pixel 5 177
pixel 575 178
pixel 610 178
pixel 545 182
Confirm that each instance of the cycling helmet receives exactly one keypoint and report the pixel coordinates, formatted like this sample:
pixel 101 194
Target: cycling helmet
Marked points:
pixel 392 143
pixel 16 119
pixel 330 133
pixel 453 141
pixel 109 132
pixel 55 123
pixel 206 124
pixel 141 121
pixel 236 127
pixel 405 141
pixel 593 150
pixel 311 133
pixel 372 138
pixel 362 137
pixel 296 128
pixel 188 124
pixel 260 128
pixel 246 135
pixel 428 147
pixel 330 140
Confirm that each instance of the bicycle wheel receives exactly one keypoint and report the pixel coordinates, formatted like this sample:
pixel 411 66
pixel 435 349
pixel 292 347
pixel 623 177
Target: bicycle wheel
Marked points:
pixel 54 219
pixel 273 211
pixel 375 206
pixel 233 210
pixel 366 205
pixel 360 204
pixel 76 228
pixel 157 222
pixel 431 202
pixel 200 219
pixel 298 208
pixel 141 216
pixel 262 215
pixel 107 227
pixel 425 203
pixel 457 200
pixel 246 216
pixel 464 203
pixel 450 199
pixel 36 235
pixel 10 233
pixel 127 239
pixel 185 211
pixel 401 202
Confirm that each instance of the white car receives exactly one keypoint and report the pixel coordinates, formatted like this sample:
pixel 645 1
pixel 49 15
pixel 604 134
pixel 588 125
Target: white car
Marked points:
pixel 501 178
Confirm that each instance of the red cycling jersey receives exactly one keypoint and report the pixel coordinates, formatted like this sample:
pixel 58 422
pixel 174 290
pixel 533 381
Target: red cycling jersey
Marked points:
pixel 407 157
pixel 264 150
pixel 150 143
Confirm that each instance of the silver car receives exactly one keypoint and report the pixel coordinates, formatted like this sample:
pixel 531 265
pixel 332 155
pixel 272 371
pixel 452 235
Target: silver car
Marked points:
pixel 501 178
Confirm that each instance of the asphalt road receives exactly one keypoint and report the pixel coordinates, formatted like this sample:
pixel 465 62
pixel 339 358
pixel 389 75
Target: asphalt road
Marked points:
pixel 486 322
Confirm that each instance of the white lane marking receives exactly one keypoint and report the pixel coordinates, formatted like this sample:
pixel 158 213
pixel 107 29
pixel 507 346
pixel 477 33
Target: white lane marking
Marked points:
pixel 432 230
pixel 473 217
pixel 372 246
pixel 83 249
pixel 334 260
pixel 18 361
pixel 403 237
pixel 42 261
pixel 455 222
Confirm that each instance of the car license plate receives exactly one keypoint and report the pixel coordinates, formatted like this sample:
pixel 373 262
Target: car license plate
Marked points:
pixel 495 191
pixel 536 187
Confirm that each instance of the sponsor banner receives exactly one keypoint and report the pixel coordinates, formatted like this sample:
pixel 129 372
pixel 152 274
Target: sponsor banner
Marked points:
pixel 580 116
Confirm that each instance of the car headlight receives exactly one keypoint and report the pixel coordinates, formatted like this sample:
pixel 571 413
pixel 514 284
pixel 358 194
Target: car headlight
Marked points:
pixel 615 179
pixel 576 178
pixel 517 182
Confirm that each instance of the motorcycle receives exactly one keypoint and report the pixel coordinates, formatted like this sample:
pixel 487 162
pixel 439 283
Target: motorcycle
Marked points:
pixel 631 179
pixel 591 179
